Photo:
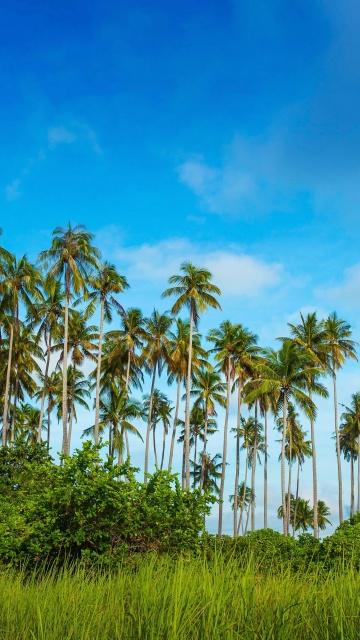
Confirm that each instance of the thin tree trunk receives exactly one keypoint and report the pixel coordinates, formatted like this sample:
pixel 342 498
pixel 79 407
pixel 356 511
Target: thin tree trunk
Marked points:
pixel 42 408
pixel 183 474
pixel 358 473
pixel 283 443
pixel 110 446
pixel 338 452
pixel 72 409
pixel 49 426
pixel 64 385
pixel 237 464
pixel 154 444
pixel 98 373
pixel 163 450
pixel 195 454
pixel 146 465
pixel 315 495
pixel 244 489
pixel 126 389
pixel 7 385
pixel 187 409
pixel 352 496
pixel 127 445
pixel 203 455
pixel 297 497
pixel 12 439
pixel 223 467
pixel 247 518
pixel 266 472
pixel 175 423
pixel 253 470
pixel 289 482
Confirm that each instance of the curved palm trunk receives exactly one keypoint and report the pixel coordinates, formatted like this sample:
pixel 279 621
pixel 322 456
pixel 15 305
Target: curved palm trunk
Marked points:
pixel 7 385
pixel 247 518
pixel 64 385
pixel 163 450
pixel 98 373
pixel 146 465
pixel 338 452
pixel 12 438
pixel 154 445
pixel 265 472
pixel 42 408
pixel 315 495
pixel 223 468
pixel 352 493
pixel 283 442
pixel 244 490
pixel 297 497
pixel 49 426
pixel 72 408
pixel 289 482
pixel 237 464
pixel 253 471
pixel 173 436
pixel 187 409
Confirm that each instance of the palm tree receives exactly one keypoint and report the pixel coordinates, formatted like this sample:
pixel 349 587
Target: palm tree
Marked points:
pixel 244 497
pixel 208 390
pixel 285 374
pixel 199 430
pixel 77 393
pixel 194 291
pixel 352 414
pixel 340 347
pixel 211 473
pixel 177 364
pixel 310 335
pixel 323 512
pixel 106 282
pixel 19 285
pixel 72 257
pixel 28 418
pixel 349 436
pixel 160 412
pixel 155 356
pixel 47 314
pixel 226 341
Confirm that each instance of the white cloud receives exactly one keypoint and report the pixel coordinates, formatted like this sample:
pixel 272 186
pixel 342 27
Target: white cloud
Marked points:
pixel 235 272
pixel 76 132
pixel 347 292
pixel 60 135
pixel 13 190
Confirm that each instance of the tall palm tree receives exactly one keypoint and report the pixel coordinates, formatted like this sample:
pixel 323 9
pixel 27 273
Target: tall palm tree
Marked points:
pixel 311 337
pixel 211 473
pixel 243 502
pixel 285 373
pixel 352 414
pixel 195 292
pixel 28 418
pixel 106 282
pixel 199 430
pixel 225 340
pixel 161 412
pixel 349 445
pixel 177 365
pixel 47 313
pixel 19 285
pixel 155 356
pixel 73 258
pixel 340 347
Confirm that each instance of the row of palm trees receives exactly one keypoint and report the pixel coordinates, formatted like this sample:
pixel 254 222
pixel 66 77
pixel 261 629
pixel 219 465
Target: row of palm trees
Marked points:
pixel 46 337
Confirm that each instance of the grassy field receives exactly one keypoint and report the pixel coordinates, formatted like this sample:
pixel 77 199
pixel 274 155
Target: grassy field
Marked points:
pixel 180 600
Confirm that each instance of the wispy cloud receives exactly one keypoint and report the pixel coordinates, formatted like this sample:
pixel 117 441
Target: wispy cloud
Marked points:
pixel 346 292
pixel 60 135
pixel 13 190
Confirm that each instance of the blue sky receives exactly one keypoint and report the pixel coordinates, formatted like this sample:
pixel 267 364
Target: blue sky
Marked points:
pixel 223 132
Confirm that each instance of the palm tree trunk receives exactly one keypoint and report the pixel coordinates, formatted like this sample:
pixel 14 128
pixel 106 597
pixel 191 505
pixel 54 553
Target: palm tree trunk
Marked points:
pixel 283 443
pixel 195 455
pixel 64 382
pixel 13 420
pixel 98 373
pixel 42 408
pixel 49 426
pixel 175 423
pixel 297 497
pixel 127 445
pixel 338 452
pixel 154 444
pixel 110 444
pixel 146 465
pixel 187 409
pixel 126 389
pixel 7 385
pixel 72 408
pixel 244 489
pixel 203 455
pixel 247 518
pixel 266 472
pixel 183 474
pixel 163 450
pixel 223 468
pixel 253 470
pixel 358 473
pixel 237 464
pixel 352 497
pixel 315 496
pixel 289 482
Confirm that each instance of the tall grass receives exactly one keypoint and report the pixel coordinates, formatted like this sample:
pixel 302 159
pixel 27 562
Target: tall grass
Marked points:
pixel 184 599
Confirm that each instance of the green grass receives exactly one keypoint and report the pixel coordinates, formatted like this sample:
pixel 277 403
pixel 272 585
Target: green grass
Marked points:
pixel 186 599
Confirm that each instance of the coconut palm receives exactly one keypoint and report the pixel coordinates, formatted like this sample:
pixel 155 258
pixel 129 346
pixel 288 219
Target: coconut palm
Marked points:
pixel 310 335
pixel 19 285
pixel 285 374
pixel 196 292
pixel 211 472
pixel 77 393
pixel 71 257
pixel 106 282
pixel 160 412
pixel 349 436
pixel 199 430
pixel 352 414
pixel 155 357
pixel 46 314
pixel 28 417
pixel 340 347
pixel 243 503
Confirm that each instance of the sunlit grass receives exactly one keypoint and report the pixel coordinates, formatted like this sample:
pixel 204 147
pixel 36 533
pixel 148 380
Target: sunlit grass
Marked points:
pixel 184 599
